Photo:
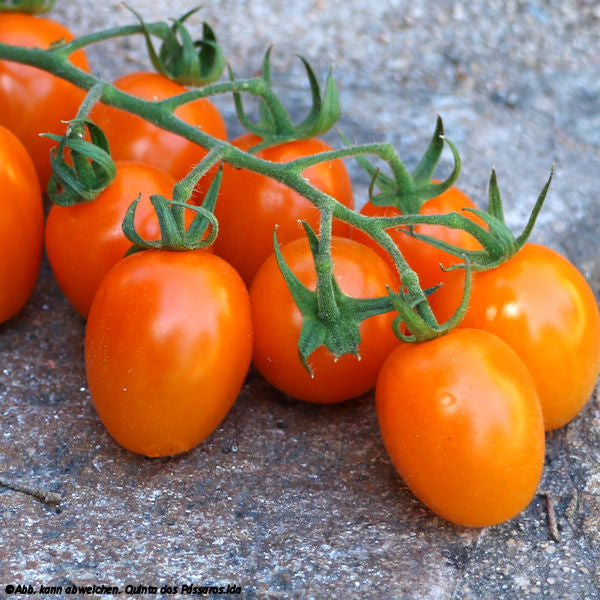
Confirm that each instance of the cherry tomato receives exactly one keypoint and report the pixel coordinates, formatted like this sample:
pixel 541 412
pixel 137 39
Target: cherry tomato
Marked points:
pixel 21 225
pixel 277 321
pixel 421 256
pixel 461 421
pixel 250 205
pixel 33 101
pixel 133 138
pixel 168 345
pixel 541 305
pixel 84 241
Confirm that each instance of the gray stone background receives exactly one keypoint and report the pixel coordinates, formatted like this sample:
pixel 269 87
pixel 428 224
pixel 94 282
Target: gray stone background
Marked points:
pixel 287 499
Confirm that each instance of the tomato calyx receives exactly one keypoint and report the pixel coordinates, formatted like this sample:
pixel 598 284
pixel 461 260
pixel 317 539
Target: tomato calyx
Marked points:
pixel 415 322
pixel 171 214
pixel 81 169
pixel 409 191
pixel 330 317
pixel 182 59
pixel 92 169
pixel 498 241
pixel 274 125
pixel 34 7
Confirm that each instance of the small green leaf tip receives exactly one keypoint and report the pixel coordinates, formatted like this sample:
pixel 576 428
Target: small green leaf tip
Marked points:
pixel 34 7
pixel 85 170
pixel 497 240
pixel 182 59
pixel 409 191
pixel 274 125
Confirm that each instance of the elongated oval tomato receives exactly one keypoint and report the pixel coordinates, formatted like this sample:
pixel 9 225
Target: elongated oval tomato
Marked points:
pixel 21 225
pixel 277 322
pixel 424 258
pixel 31 100
pixel 167 347
pixel 133 138
pixel 461 421
pixel 542 307
pixel 84 241
pixel 250 205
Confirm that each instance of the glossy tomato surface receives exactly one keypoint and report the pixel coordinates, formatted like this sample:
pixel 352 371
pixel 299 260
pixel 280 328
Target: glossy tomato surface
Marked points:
pixel 33 101
pixel 84 241
pixel 133 138
pixel 421 256
pixel 168 345
pixel 540 305
pixel 277 321
pixel 461 421
pixel 21 225
pixel 250 205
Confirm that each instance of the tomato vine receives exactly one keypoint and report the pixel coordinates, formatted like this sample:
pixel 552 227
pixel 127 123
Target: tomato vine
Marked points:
pixel 200 67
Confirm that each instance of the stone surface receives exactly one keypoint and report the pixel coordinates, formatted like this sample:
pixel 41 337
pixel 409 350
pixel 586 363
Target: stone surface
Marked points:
pixel 286 499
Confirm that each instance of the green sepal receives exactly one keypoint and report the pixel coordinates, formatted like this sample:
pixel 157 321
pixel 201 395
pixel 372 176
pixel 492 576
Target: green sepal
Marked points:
pixel 274 125
pixel 409 191
pixel 174 235
pixel 419 328
pixel 325 111
pixel 340 334
pixel 34 7
pixel 182 59
pixel 498 242
pixel 92 169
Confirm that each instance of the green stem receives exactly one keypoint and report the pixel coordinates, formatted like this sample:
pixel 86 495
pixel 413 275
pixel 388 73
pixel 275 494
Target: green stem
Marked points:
pixel 91 98
pixel 68 48
pixel 251 86
pixel 327 306
pixel 382 150
pixel 183 189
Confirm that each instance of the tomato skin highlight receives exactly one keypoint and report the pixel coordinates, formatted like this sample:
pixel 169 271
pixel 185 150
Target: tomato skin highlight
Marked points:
pixel 542 307
pixel 250 204
pixel 84 241
pixel 422 257
pixel 168 345
pixel 21 225
pixel 31 100
pixel 133 138
pixel 277 322
pixel 461 421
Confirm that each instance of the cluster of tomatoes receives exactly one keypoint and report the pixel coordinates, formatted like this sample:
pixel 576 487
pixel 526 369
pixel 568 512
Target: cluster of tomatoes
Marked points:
pixel 170 335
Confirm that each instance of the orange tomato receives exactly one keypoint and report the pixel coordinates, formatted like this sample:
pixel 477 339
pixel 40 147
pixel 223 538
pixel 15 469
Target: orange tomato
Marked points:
pixel 31 100
pixel 21 225
pixel 250 205
pixel 277 322
pixel 461 421
pixel 167 347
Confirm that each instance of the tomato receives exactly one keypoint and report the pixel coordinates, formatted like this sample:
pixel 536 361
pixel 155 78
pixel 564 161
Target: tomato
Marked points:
pixel 541 305
pixel 84 241
pixel 33 101
pixel 277 322
pixel 21 225
pixel 167 347
pixel 250 205
pixel 133 138
pixel 424 258
pixel 461 421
